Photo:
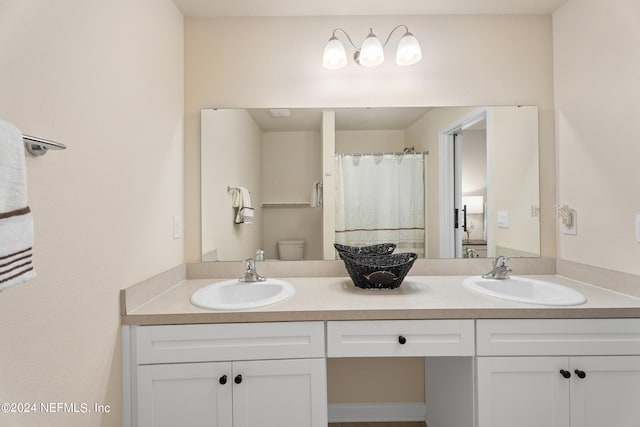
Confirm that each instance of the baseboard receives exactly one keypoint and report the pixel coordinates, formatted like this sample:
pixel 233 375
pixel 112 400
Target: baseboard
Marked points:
pixel 376 412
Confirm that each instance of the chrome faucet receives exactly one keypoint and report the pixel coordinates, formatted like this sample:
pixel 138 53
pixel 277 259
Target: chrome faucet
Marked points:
pixel 250 273
pixel 500 270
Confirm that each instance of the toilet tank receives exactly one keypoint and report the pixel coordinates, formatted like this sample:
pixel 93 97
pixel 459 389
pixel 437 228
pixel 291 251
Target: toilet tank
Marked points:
pixel 291 250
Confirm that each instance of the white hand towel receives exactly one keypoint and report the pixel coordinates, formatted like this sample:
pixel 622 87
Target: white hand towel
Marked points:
pixel 245 216
pixel 16 221
pixel 241 199
pixel 316 195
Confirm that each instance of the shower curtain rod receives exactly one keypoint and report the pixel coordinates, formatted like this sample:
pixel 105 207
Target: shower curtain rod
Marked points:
pixel 394 153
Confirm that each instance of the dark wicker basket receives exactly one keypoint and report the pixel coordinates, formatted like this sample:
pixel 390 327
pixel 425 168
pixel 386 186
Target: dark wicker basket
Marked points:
pixel 379 249
pixel 378 272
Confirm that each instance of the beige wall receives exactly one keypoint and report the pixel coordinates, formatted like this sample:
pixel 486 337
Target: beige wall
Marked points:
pixel 369 141
pixel 232 154
pixel 514 181
pixel 251 62
pixel 106 79
pixel 596 69
pixel 376 380
pixel 292 162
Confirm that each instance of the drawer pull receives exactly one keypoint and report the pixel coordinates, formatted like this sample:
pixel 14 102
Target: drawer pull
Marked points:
pixel 580 374
pixel 565 373
pixel 223 380
pixel 237 379
pixel 402 340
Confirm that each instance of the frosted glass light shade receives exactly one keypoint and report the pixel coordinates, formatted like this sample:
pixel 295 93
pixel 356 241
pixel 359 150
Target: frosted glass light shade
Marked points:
pixel 334 57
pixel 409 51
pixel 371 52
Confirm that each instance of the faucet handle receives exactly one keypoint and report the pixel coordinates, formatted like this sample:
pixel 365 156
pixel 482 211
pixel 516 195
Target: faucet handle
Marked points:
pixel 502 261
pixel 250 273
pixel 500 270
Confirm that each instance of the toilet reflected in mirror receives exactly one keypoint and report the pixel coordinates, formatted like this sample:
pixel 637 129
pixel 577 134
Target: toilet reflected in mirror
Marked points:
pixel 291 250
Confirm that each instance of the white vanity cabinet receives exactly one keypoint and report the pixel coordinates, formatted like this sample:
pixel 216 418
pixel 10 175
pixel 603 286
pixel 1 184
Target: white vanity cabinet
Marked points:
pixel 558 373
pixel 478 373
pixel 227 375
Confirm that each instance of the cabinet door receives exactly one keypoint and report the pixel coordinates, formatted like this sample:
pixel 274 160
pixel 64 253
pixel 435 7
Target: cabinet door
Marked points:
pixel 283 393
pixel 609 393
pixel 187 394
pixel 523 392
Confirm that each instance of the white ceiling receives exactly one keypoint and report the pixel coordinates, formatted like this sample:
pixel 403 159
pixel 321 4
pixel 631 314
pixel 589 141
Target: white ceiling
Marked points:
pixel 303 119
pixel 220 8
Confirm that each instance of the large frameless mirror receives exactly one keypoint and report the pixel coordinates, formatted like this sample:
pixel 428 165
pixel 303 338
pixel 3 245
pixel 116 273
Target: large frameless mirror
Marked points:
pixel 443 182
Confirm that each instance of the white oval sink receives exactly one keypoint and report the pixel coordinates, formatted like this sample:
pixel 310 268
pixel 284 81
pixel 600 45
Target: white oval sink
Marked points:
pixel 236 295
pixel 522 289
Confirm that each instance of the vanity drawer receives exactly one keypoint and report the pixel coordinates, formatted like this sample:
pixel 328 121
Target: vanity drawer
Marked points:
pixel 566 337
pixel 230 341
pixel 398 338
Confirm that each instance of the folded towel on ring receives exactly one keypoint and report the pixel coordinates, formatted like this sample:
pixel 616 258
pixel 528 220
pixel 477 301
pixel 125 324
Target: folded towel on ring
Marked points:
pixel 244 216
pixel 16 220
pixel 241 199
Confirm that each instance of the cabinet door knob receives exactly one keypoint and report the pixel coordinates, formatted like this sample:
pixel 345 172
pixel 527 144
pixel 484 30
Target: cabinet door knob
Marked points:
pixel 580 374
pixel 565 374
pixel 223 380
pixel 238 379
pixel 402 340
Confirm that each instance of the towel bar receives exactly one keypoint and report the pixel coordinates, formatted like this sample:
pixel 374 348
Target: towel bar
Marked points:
pixel 39 146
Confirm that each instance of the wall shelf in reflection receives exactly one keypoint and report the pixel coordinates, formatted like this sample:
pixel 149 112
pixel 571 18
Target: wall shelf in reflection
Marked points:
pixel 287 205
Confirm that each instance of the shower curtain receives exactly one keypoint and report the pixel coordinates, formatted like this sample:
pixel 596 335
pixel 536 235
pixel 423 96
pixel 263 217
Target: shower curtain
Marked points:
pixel 379 199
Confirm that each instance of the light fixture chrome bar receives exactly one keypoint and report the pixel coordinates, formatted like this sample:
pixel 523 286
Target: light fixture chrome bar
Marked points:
pixel 406 30
pixel 371 52
pixel 39 146
pixel 348 37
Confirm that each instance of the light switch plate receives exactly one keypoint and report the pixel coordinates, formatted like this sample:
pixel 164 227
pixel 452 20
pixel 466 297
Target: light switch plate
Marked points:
pixel 502 219
pixel 571 228
pixel 177 227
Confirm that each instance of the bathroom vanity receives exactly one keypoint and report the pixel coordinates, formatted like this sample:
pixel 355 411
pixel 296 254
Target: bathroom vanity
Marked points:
pixel 488 362
pixel 242 374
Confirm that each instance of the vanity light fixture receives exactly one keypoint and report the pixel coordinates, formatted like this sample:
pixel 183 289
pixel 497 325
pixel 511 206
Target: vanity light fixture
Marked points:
pixel 371 53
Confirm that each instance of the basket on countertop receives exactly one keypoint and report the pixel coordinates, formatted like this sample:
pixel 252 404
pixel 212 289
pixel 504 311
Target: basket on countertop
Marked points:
pixel 379 249
pixel 378 272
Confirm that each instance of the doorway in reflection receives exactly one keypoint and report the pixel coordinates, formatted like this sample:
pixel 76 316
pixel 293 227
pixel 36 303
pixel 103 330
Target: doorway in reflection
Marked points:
pixel 474 190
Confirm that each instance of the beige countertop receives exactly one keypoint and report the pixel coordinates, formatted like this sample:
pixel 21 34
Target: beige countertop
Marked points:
pixel 419 297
